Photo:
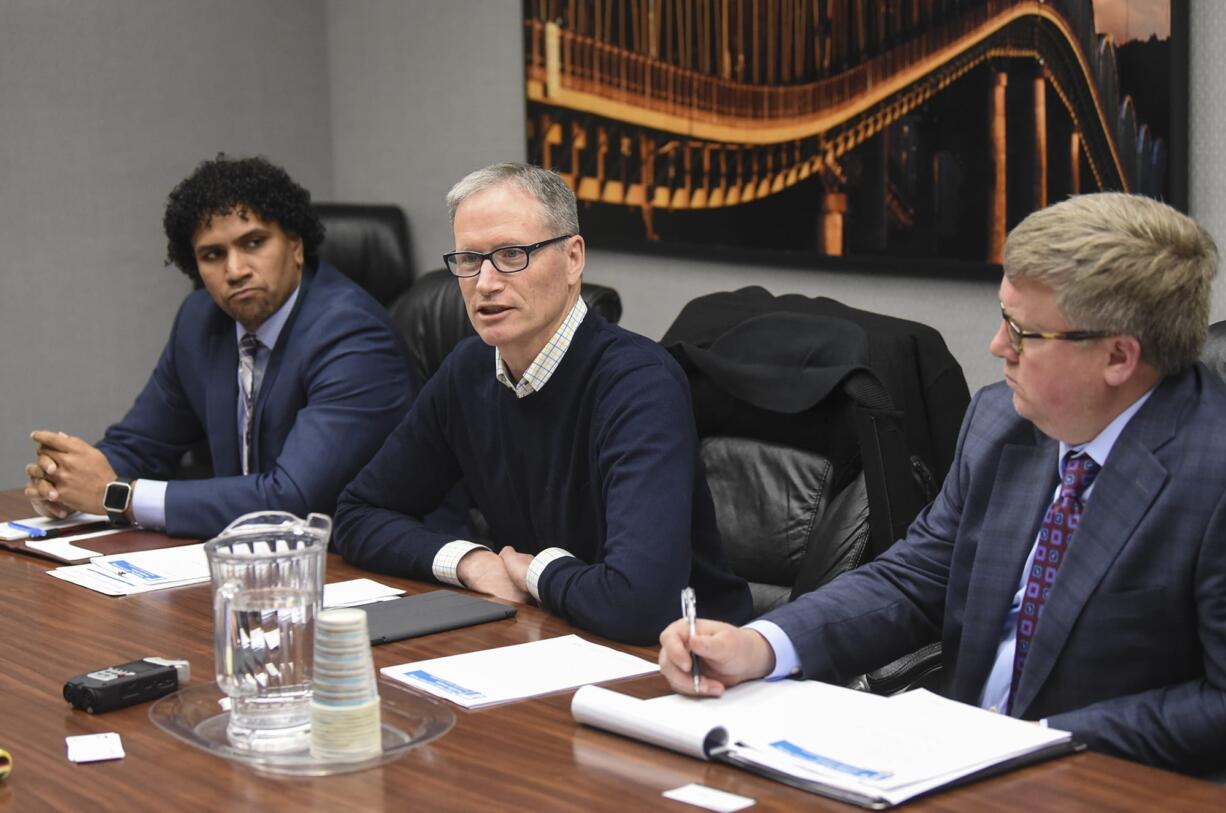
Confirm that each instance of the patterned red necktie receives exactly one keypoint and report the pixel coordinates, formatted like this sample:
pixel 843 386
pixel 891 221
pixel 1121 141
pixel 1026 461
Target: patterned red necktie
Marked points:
pixel 1059 523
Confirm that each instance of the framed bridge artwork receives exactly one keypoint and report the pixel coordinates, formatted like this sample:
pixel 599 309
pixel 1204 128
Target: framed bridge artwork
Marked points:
pixel 909 134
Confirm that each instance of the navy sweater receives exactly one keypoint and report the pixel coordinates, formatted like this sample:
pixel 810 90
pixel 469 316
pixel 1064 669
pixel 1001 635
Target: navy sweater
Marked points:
pixel 603 462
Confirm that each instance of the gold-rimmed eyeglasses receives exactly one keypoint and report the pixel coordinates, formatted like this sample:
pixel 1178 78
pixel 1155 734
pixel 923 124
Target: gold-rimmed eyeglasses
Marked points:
pixel 1016 334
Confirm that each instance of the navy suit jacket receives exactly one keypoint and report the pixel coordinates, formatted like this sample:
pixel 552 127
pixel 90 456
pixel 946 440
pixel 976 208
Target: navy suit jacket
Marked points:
pixel 1130 654
pixel 335 386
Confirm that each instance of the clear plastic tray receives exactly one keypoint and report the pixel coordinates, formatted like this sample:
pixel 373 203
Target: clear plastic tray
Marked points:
pixel 194 715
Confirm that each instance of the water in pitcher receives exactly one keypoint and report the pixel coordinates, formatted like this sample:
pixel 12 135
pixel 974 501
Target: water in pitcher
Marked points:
pixel 264 666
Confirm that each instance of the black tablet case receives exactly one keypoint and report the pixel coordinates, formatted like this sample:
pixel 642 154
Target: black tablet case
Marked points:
pixel 425 613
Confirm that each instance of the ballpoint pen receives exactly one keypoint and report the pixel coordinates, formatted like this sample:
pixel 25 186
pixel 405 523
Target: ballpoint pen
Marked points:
pixel 689 611
pixel 29 529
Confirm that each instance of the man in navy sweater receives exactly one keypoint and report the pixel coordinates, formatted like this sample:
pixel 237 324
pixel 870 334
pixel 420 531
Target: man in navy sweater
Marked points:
pixel 575 438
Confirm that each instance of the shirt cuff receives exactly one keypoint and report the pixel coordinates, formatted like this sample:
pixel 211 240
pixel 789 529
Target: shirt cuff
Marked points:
pixel 149 504
pixel 787 662
pixel 446 563
pixel 538 565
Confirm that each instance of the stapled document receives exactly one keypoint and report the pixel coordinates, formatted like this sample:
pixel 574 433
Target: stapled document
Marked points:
pixel 123 574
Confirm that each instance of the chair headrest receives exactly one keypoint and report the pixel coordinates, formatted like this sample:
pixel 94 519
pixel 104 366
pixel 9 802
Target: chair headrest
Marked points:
pixel 432 319
pixel 369 243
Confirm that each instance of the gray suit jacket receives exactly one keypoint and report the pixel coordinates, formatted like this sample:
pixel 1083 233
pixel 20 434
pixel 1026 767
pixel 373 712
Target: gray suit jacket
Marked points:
pixel 1131 651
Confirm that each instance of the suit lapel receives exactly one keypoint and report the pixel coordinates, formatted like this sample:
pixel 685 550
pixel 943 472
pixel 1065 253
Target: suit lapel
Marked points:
pixel 1123 493
pixel 1025 480
pixel 222 399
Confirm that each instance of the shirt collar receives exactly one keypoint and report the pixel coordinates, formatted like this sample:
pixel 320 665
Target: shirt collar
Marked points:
pixel 268 332
pixel 541 369
pixel 1100 447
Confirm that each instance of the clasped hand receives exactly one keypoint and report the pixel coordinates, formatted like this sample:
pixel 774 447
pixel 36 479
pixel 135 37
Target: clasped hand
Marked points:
pixel 502 575
pixel 67 475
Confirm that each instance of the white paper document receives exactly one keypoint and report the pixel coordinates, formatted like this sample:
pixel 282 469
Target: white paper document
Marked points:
pixel 62 548
pixel 490 676
pixel 358 591
pixel 123 574
pixel 852 745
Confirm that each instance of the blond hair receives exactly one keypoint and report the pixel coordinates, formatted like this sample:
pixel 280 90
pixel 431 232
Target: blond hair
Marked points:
pixel 1124 264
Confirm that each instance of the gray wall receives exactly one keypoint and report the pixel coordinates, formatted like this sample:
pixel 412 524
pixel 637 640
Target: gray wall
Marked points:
pixel 105 106
pixel 1206 124
pixel 422 92
pixel 362 100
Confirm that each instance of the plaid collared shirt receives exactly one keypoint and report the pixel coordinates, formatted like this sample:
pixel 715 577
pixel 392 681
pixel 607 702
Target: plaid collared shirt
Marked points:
pixel 542 367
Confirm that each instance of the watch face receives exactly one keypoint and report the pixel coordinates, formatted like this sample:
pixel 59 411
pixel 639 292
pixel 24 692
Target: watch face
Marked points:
pixel 116 497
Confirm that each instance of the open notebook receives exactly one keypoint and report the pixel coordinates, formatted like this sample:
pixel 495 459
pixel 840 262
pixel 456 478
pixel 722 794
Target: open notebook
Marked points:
pixel 861 748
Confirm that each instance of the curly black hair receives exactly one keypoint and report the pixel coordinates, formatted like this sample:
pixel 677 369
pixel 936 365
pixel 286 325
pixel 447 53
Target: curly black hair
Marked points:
pixel 224 185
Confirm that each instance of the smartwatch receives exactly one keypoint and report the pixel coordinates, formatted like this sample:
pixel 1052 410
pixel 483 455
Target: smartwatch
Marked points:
pixel 116 500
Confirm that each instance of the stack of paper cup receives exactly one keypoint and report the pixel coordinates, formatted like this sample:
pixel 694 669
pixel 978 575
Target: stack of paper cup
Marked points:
pixel 345 721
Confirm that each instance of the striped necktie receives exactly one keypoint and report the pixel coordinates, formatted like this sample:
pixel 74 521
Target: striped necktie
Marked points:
pixel 1059 524
pixel 247 348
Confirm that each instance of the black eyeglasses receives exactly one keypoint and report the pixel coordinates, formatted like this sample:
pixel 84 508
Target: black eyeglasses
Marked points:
pixel 508 259
pixel 1016 334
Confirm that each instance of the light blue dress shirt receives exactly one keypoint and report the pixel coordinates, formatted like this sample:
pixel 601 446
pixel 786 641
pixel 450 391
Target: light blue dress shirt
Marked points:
pixel 149 496
pixel 996 690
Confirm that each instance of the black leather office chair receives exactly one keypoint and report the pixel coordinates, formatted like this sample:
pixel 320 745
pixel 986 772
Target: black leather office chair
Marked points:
pixel 774 505
pixel 810 465
pixel 432 318
pixel 1213 354
pixel 775 398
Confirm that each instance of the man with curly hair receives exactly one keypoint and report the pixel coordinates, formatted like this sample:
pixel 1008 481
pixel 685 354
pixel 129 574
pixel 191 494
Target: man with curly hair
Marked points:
pixel 290 372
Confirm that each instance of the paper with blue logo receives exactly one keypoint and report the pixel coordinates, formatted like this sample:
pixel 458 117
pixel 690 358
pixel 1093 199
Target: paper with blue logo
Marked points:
pixel 862 748
pixel 477 679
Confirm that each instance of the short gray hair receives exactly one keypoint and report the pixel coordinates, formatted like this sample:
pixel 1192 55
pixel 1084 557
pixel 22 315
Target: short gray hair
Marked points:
pixel 544 186
pixel 1124 264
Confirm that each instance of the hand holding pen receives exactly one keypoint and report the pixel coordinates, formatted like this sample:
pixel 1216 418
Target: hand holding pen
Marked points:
pixel 729 655
pixel 689 611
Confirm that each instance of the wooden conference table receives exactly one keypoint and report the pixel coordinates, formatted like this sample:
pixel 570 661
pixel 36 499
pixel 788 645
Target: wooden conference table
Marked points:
pixel 528 755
